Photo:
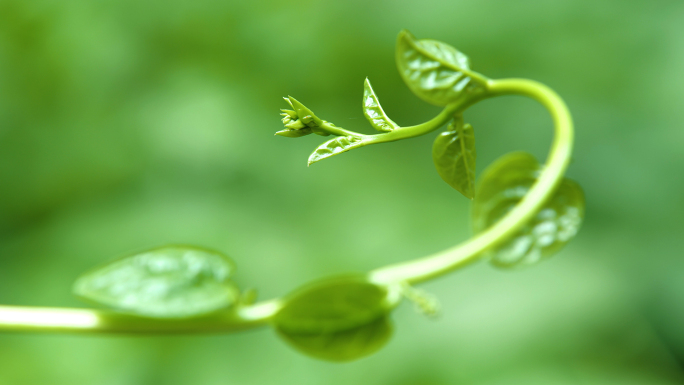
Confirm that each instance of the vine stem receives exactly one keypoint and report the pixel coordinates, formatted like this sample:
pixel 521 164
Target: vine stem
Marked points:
pixel 557 162
pixel 45 319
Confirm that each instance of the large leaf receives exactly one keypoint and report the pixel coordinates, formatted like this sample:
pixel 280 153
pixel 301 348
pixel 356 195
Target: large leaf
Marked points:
pixel 335 146
pixel 502 186
pixel 168 282
pixel 454 155
pixel 436 72
pixel 338 319
pixel 374 112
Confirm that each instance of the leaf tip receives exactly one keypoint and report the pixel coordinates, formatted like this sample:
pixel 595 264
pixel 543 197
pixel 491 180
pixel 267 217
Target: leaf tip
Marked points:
pixel 315 158
pixel 405 34
pixel 299 107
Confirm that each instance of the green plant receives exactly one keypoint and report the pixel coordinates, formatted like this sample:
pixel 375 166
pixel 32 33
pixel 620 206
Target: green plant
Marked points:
pixel 522 213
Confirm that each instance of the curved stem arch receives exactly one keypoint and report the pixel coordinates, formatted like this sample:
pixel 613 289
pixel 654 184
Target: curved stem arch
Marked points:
pixel 557 162
pixel 45 319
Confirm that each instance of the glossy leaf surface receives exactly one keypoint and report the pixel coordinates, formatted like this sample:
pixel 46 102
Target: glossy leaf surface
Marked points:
pixel 168 282
pixel 374 112
pixel 436 72
pixel 338 319
pixel 502 186
pixel 454 155
pixel 335 146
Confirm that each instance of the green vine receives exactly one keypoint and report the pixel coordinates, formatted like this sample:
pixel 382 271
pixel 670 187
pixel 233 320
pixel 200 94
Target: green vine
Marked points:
pixel 522 213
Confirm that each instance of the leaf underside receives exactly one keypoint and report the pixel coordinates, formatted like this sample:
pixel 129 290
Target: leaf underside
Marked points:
pixel 436 72
pixel 338 319
pixel 454 155
pixel 343 345
pixel 168 282
pixel 502 186
pixel 335 146
pixel 374 112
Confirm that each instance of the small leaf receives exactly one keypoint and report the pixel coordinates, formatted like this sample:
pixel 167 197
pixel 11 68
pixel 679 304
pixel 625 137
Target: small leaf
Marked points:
pixel 502 186
pixel 454 155
pixel 339 319
pixel 373 111
pixel 294 124
pixel 335 146
pixel 289 133
pixel 436 72
pixel 305 115
pixel 291 113
pixel 168 282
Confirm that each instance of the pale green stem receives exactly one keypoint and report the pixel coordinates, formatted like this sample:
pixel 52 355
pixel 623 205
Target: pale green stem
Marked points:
pixel 559 157
pixel 45 319
pixel 409 131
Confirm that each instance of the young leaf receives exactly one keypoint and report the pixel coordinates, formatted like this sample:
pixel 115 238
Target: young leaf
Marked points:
pixel 290 133
pixel 168 282
pixel 374 112
pixel 502 186
pixel 436 72
pixel 454 155
pixel 335 146
pixel 338 319
pixel 304 114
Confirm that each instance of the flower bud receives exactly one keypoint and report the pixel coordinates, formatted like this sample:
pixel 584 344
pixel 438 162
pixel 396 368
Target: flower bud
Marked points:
pixel 300 118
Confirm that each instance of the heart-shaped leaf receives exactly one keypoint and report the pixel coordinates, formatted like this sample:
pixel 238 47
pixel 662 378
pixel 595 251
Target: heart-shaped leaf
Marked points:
pixel 338 319
pixel 374 112
pixel 335 146
pixel 454 155
pixel 502 186
pixel 168 282
pixel 436 72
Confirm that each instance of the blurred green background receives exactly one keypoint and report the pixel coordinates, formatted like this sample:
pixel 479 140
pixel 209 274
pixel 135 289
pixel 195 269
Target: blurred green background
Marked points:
pixel 126 125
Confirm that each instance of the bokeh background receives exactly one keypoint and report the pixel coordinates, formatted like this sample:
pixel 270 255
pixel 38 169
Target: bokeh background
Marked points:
pixel 131 124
